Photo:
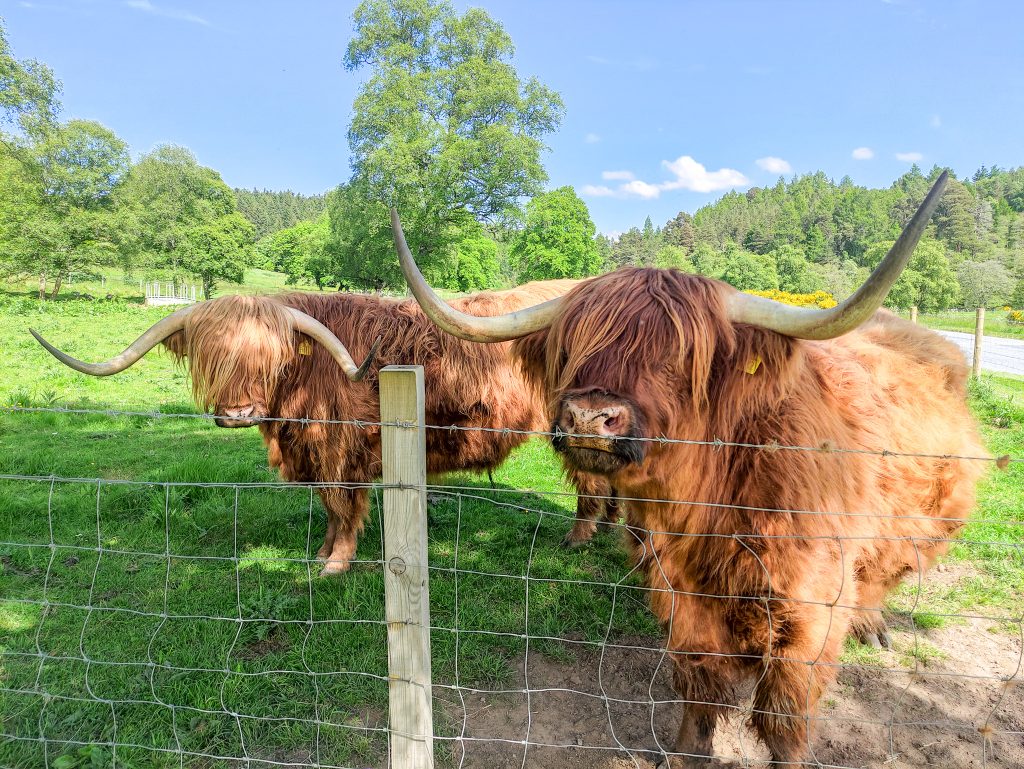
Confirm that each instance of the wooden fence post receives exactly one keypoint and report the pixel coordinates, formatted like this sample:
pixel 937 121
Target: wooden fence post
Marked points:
pixel 913 314
pixel 406 589
pixel 979 335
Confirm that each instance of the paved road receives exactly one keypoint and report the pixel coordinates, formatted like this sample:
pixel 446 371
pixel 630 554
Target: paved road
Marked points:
pixel 997 354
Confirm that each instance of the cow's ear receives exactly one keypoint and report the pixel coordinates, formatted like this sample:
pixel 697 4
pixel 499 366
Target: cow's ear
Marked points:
pixel 175 344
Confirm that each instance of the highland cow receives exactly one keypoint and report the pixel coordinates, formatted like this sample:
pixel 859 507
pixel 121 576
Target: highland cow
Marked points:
pixel 250 358
pixel 774 553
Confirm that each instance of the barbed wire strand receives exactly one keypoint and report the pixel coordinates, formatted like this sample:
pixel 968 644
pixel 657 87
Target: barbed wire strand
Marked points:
pixel 826 447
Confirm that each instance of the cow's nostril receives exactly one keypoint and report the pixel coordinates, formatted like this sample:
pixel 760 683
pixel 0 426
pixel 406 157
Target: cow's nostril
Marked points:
pixel 611 422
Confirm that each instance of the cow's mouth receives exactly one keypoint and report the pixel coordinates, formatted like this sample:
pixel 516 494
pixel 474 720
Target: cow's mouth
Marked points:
pixel 596 453
pixel 243 416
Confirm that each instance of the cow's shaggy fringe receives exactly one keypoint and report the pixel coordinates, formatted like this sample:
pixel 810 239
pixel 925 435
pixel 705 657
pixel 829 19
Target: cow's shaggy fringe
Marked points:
pixel 661 340
pixel 244 351
pixel 232 343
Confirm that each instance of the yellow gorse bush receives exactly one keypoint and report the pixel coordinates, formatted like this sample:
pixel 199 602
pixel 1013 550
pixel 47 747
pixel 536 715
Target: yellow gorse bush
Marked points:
pixel 822 299
pixel 1015 316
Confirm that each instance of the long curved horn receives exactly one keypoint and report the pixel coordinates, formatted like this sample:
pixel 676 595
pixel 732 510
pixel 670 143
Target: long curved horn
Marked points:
pixel 804 323
pixel 499 328
pixel 153 336
pixel 174 322
pixel 311 327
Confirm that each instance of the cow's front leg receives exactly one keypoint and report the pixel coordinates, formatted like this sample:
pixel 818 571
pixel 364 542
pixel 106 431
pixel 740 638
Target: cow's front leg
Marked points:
pixel 332 531
pixel 346 509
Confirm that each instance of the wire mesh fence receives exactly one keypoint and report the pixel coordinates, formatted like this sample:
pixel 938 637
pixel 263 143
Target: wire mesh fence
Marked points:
pixel 183 623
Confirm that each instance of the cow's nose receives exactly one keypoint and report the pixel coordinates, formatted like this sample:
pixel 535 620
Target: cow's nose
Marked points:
pixel 608 421
pixel 240 412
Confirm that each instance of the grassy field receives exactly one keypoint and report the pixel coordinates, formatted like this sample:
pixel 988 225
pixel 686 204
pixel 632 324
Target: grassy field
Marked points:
pixel 114 282
pixel 996 323
pixel 191 606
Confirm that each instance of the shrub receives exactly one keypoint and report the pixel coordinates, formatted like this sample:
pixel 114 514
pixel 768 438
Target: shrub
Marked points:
pixel 821 299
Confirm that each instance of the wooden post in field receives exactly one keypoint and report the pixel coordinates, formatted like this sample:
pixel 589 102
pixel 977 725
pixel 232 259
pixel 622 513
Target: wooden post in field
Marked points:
pixel 979 335
pixel 406 589
pixel 913 314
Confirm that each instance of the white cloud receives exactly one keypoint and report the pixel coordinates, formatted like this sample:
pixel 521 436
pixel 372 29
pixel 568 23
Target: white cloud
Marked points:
pixel 691 175
pixel 935 122
pixel 167 13
pixel 592 138
pixel 909 157
pixel 641 189
pixel 862 153
pixel 774 165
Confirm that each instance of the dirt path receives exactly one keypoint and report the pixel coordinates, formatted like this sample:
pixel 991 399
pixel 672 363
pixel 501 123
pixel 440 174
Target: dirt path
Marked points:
pixel 936 713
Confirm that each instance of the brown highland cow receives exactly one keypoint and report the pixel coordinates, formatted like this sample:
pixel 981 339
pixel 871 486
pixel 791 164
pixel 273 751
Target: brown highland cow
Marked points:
pixel 256 357
pixel 775 554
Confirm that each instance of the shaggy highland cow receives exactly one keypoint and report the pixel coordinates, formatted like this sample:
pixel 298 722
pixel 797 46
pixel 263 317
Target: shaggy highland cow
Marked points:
pixel 256 357
pixel 775 554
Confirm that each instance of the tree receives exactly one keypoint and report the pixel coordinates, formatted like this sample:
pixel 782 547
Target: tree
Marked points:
pixel 749 271
pixel 29 93
pixel 928 280
pixel 708 260
pixel 167 198
pixel 678 231
pixel 557 240
pixel 794 271
pixel 443 128
pixel 300 251
pixel 218 250
pixel 477 261
pixel 360 246
pixel 64 182
pixel 984 284
pixel 673 257
pixel 955 220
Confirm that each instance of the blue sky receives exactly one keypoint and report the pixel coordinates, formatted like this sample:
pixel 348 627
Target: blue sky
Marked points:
pixel 668 104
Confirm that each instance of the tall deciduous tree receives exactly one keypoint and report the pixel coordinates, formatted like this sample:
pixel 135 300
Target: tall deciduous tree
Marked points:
pixel 928 280
pixel 29 92
pixel 443 128
pixel 173 206
pixel 984 284
pixel 64 179
pixel 558 239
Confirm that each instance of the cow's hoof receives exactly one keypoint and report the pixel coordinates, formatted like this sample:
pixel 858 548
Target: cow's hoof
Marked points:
pixel 334 567
pixel 569 542
pixel 876 640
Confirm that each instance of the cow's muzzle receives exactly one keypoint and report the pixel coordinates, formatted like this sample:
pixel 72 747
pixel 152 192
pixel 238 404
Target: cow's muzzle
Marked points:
pixel 242 416
pixel 598 433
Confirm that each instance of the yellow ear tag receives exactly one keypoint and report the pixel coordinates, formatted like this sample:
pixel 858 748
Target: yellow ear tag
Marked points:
pixel 753 365
pixel 305 347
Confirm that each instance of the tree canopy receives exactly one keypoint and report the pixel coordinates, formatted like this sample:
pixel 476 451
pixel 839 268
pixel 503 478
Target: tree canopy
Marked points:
pixel 443 129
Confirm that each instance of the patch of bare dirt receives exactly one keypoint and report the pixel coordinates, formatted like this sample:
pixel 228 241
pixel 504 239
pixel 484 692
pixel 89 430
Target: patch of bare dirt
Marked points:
pixel 616 712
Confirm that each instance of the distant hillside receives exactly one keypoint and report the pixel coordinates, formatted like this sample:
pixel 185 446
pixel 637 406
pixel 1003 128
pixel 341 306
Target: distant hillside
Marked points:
pixel 270 210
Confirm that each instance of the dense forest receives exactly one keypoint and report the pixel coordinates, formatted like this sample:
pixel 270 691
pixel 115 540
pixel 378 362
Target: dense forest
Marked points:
pixel 73 201
pixel 270 211
pixel 812 234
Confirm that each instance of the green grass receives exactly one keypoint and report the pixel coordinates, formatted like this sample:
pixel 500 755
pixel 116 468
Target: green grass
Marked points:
pixel 168 550
pixel 113 281
pixel 170 618
pixel 996 323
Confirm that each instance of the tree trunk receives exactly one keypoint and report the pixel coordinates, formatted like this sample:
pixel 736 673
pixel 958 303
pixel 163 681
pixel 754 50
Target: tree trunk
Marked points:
pixel 57 282
pixel 42 285
pixel 207 287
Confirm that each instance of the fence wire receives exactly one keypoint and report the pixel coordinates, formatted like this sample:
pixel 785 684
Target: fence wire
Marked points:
pixel 183 623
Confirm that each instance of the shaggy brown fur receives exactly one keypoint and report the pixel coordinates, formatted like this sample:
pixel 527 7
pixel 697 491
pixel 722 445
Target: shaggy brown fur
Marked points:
pixel 779 590
pixel 243 353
